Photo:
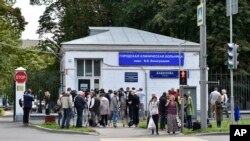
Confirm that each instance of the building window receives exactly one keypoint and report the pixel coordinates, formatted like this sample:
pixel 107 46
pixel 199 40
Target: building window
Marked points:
pixel 96 84
pixel 88 67
pixel 80 67
pixel 97 68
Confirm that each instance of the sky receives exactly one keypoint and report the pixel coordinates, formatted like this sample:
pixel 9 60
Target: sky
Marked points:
pixel 31 15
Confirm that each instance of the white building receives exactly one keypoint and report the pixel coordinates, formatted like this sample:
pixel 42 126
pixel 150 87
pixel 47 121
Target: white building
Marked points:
pixel 115 57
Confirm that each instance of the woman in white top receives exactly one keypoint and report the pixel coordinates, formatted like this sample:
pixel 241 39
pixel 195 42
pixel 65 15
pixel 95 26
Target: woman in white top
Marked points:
pixel 153 111
pixel 225 101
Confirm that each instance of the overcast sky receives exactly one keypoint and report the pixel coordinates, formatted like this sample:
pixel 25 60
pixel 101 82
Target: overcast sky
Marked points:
pixel 31 15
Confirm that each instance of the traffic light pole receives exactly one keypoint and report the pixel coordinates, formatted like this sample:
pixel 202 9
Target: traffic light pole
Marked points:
pixel 203 71
pixel 231 68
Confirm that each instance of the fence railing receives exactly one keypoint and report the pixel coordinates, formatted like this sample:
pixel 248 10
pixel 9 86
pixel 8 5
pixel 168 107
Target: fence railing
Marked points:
pixel 241 86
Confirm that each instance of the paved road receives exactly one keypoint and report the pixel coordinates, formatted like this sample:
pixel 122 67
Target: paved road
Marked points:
pixel 15 131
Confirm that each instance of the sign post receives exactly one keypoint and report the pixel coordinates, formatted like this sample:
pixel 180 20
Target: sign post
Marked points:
pixel 20 78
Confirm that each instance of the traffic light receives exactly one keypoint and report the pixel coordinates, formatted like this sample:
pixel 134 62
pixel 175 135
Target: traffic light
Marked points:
pixel 236 62
pixel 183 77
pixel 232 55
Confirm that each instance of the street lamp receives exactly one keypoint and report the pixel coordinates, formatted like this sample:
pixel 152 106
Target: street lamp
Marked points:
pixel 58 56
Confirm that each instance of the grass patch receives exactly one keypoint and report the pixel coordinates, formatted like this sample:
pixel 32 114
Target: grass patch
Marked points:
pixel 55 126
pixel 225 126
pixel 1 112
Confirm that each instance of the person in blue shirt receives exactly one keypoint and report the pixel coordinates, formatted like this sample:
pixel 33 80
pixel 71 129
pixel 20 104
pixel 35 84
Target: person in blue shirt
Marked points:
pixel 27 105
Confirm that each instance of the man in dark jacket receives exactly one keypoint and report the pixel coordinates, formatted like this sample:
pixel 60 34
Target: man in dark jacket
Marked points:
pixel 27 105
pixel 162 110
pixel 135 108
pixel 79 103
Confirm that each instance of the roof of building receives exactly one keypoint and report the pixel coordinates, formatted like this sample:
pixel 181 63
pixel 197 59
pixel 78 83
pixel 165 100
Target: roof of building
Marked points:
pixel 29 43
pixel 126 36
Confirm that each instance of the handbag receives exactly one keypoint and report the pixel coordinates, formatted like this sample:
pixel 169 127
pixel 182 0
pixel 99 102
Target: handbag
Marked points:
pixel 178 120
pixel 151 124
pixel 57 108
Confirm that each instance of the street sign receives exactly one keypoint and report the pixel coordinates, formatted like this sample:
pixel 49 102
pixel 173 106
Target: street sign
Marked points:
pixel 200 15
pixel 21 77
pixel 234 7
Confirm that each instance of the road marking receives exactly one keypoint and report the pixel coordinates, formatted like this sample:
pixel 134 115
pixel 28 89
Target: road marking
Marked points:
pixel 154 139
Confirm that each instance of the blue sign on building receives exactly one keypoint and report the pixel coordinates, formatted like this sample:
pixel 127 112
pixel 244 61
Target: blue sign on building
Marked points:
pixel 164 74
pixel 131 76
pixel 151 59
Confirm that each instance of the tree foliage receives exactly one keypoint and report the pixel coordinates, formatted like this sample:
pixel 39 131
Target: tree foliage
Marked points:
pixel 12 56
pixel 69 19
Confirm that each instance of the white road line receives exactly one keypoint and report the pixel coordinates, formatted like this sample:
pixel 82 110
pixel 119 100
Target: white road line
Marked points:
pixel 154 139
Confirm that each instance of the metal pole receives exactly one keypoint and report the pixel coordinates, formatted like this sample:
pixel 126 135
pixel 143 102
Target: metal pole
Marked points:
pixel 146 93
pixel 180 88
pixel 203 71
pixel 231 69
pixel 182 108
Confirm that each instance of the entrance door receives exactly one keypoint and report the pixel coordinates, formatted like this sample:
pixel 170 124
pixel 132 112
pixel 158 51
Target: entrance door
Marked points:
pixel 84 84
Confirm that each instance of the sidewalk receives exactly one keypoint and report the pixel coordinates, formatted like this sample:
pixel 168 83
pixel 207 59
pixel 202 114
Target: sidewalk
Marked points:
pixel 111 132
pixel 107 132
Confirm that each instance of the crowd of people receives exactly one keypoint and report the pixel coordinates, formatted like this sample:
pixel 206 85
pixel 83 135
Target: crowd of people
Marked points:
pixel 100 108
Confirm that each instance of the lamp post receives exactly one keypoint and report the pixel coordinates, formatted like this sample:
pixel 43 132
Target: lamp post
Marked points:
pixel 58 56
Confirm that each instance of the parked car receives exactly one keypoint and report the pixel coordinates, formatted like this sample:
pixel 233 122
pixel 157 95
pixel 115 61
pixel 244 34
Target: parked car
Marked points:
pixel 36 104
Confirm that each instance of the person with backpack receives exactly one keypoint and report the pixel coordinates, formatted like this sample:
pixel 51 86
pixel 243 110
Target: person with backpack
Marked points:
pixel 27 105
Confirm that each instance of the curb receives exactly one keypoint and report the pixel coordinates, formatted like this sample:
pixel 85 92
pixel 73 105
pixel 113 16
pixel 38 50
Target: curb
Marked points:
pixel 64 131
pixel 212 133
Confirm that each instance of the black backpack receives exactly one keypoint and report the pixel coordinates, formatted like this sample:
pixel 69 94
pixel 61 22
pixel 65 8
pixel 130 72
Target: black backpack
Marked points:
pixel 20 102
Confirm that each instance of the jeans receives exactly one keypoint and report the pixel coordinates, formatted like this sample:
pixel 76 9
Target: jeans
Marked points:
pixel 59 118
pixel 136 115
pixel 79 117
pixel 155 119
pixel 163 120
pixel 189 121
pixel 218 124
pixel 26 114
pixel 115 117
pixel 104 120
pixel 66 117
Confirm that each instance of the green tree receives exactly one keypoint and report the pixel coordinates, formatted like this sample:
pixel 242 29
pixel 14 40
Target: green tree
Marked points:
pixel 69 19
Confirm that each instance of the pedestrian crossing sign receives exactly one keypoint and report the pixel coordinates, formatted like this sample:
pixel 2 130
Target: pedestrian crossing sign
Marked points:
pixel 200 15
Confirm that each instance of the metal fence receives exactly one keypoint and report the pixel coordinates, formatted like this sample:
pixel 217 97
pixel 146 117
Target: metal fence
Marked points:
pixel 241 86
pixel 41 81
